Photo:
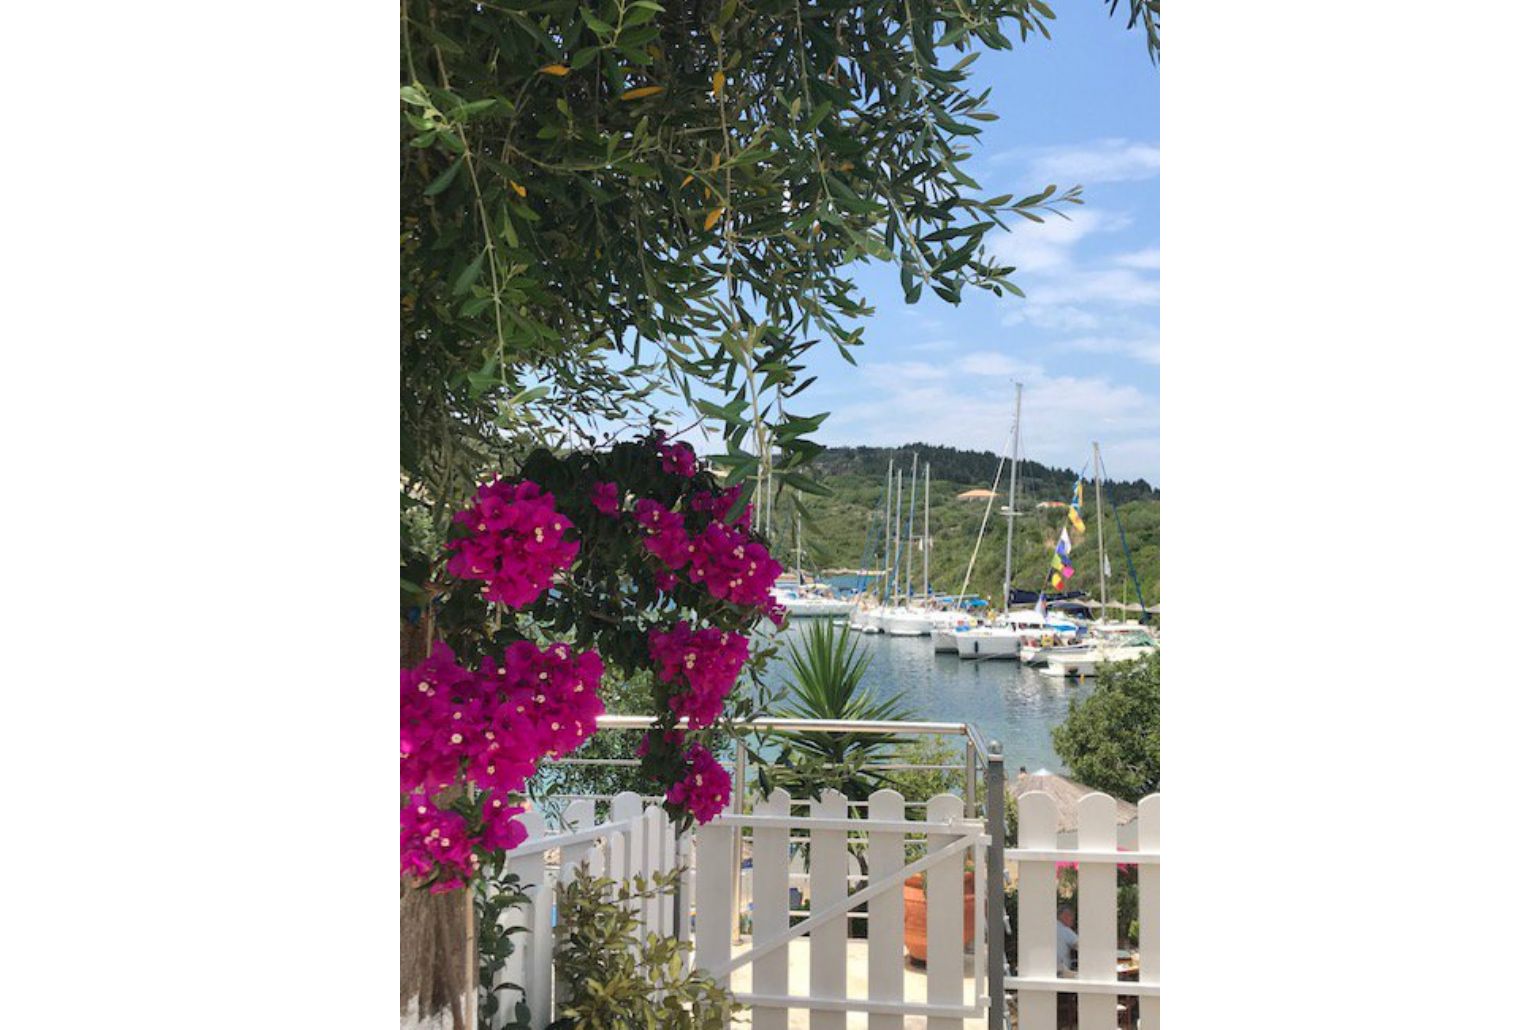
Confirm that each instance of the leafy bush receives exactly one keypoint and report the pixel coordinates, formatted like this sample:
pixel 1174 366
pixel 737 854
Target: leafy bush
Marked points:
pixel 611 981
pixel 1111 741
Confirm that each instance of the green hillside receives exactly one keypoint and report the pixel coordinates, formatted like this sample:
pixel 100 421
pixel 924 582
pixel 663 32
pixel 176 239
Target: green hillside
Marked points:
pixel 839 529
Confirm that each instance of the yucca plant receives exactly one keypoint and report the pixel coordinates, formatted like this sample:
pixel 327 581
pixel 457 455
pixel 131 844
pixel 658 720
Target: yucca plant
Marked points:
pixel 825 670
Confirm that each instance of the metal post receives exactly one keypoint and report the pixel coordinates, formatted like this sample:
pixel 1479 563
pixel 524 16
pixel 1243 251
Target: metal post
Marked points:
pixel 994 911
pixel 740 792
pixel 970 790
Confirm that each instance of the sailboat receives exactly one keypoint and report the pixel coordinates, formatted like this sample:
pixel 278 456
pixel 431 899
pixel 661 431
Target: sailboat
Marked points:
pixel 1001 638
pixel 1104 641
pixel 902 618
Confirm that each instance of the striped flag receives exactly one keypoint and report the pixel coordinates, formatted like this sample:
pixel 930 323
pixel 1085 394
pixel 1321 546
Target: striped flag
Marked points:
pixel 1064 546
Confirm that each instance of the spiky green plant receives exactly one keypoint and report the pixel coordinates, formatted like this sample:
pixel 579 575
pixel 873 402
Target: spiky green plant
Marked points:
pixel 825 670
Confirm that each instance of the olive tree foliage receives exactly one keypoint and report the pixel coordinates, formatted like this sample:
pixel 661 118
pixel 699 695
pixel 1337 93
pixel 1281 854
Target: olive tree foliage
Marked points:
pixel 609 205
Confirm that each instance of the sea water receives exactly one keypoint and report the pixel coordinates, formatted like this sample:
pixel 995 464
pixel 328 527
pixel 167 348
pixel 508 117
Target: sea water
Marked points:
pixel 1003 699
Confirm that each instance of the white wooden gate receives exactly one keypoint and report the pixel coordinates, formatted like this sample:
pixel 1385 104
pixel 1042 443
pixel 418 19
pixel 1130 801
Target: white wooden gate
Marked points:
pixel 1096 980
pixel 948 842
pixel 633 840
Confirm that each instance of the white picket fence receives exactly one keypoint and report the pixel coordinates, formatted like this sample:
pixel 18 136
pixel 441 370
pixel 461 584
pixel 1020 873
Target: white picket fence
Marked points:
pixel 947 841
pixel 636 838
pixel 1095 850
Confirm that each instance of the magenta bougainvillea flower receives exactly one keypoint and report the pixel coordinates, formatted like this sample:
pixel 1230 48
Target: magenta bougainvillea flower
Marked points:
pixel 606 498
pixel 665 581
pixel 516 542
pixel 435 841
pixel 664 534
pixel 718 505
pixel 733 567
pixel 486 730
pixel 678 459
pixel 705 661
pixel 705 788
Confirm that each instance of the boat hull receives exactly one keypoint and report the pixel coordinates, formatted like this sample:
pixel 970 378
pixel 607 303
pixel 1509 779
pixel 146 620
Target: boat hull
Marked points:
pixel 984 646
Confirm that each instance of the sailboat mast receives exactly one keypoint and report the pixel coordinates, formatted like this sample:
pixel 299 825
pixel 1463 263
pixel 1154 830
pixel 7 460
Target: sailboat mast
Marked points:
pixel 898 530
pixel 799 547
pixel 1010 508
pixel 1101 555
pixel 914 467
pixel 887 530
pixel 925 564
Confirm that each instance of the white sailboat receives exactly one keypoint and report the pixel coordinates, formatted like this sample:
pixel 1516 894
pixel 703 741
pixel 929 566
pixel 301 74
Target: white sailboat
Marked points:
pixel 1001 637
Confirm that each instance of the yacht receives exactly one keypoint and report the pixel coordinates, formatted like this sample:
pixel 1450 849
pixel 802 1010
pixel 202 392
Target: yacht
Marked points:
pixel 1108 645
pixel 811 600
pixel 904 621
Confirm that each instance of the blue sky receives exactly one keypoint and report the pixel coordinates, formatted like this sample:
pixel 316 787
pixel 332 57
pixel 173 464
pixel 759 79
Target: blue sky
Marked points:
pixel 1081 108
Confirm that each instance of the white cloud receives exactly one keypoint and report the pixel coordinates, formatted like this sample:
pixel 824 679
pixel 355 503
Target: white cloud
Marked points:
pixel 1104 160
pixel 1139 346
pixel 967 404
pixel 1148 258
pixel 1035 247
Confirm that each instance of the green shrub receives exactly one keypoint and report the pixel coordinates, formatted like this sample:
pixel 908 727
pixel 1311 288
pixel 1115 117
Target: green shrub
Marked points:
pixel 611 981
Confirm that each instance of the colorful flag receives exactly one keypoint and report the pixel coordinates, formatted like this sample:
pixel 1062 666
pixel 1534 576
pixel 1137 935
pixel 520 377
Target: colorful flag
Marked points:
pixel 1106 565
pixel 1068 571
pixel 1064 546
pixel 1042 606
pixel 1078 500
pixel 1075 520
pixel 1056 580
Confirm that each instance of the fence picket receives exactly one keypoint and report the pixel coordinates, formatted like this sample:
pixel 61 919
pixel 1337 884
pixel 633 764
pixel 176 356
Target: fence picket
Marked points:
pixel 1097 921
pixel 1036 908
pixel 827 868
pixel 944 915
pixel 579 815
pixel 713 872
pixel 670 862
pixel 1149 911
pixel 885 913
pixel 531 960
pixel 626 812
pixel 652 843
pixel 772 889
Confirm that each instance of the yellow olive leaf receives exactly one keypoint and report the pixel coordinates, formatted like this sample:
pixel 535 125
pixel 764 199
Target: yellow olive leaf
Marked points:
pixel 687 180
pixel 641 91
pixel 714 217
pixel 520 190
pixel 716 83
pixel 555 69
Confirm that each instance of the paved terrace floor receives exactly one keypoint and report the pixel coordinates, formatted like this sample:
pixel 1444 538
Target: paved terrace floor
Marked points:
pixel 855 984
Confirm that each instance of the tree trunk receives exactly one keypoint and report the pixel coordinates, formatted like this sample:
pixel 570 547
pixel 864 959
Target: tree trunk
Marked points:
pixel 437 930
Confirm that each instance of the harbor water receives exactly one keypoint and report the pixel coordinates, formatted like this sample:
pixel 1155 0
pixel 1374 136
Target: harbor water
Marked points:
pixel 1005 700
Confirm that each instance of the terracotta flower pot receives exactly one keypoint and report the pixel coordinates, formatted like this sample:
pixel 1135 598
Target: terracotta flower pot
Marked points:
pixel 914 915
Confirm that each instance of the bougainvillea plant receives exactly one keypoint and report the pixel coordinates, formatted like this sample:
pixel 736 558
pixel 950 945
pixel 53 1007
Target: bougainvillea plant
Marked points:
pixel 633 561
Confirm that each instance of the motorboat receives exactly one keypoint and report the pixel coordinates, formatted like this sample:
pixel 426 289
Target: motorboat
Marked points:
pixel 1122 645
pixel 1004 637
pixel 811 600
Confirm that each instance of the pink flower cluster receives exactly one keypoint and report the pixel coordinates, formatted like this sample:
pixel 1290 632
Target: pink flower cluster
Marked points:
pixel 678 459
pixel 707 661
pixel 606 498
pixel 733 567
pixel 666 538
pixel 433 839
pixel 516 543
pixel 718 505
pixel 486 729
pixel 705 788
